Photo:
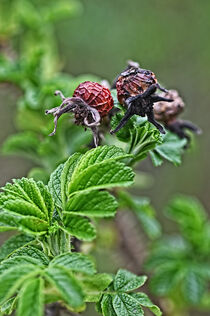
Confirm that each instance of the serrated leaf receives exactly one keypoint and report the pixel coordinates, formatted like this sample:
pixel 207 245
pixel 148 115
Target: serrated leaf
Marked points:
pixel 79 227
pixel 23 208
pixel 144 300
pixel 102 176
pixel 25 200
pixel 17 262
pixel 75 261
pixel 67 285
pixel 107 306
pixel 31 298
pixel 93 204
pixel 99 155
pixel 54 185
pixel 66 174
pixel 94 285
pixel 32 252
pixel 13 278
pixel 127 281
pixel 126 305
pixel 28 224
pixel 13 243
pixel 171 149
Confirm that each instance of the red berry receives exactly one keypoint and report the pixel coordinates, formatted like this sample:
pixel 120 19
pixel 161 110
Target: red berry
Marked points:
pixel 96 96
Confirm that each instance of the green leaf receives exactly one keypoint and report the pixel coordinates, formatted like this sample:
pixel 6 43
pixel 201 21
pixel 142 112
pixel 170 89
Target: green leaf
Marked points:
pixel 67 285
pixel 32 252
pixel 171 149
pixel 8 307
pixel 93 286
pixel 66 174
pixel 13 278
pixel 54 185
pixel 79 227
pixel 107 306
pixel 17 262
pixel 194 286
pixel 13 243
pixel 28 224
pixel 76 262
pixel 23 208
pixel 165 279
pixel 24 144
pixel 31 298
pixel 126 305
pixel 93 204
pixel 127 281
pixel 102 176
pixel 144 212
pixel 99 155
pixel 144 300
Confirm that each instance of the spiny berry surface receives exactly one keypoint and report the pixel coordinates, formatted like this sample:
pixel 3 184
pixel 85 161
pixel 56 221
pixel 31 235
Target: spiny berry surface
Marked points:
pixel 95 95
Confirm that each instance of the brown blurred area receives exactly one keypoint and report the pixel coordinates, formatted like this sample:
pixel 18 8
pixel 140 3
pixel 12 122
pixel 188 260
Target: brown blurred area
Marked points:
pixel 170 37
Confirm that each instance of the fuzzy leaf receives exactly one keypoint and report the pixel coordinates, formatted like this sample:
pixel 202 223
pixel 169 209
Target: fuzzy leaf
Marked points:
pixel 79 227
pixel 93 204
pixel 13 243
pixel 127 281
pixel 75 261
pixel 67 285
pixel 126 305
pixel 31 298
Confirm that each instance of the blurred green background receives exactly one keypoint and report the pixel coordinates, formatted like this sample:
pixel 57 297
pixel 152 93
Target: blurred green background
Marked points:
pixel 170 37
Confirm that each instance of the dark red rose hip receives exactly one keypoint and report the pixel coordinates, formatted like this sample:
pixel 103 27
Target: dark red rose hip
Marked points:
pixel 136 89
pixel 90 102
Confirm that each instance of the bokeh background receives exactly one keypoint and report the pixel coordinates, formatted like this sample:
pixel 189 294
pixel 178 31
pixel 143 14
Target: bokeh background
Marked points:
pixel 170 37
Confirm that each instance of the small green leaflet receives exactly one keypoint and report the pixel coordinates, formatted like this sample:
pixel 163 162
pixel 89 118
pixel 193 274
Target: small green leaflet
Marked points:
pixel 171 149
pixel 127 281
pixel 120 301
